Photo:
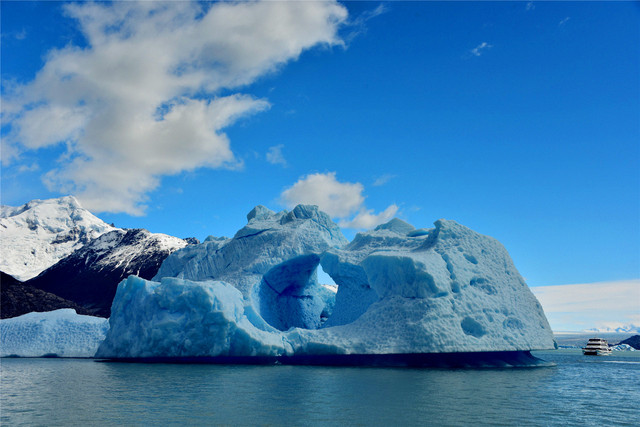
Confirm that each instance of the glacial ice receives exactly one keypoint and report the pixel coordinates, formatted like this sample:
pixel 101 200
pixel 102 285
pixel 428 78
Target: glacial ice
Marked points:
pixel 179 318
pixel 61 333
pixel 272 261
pixel 623 347
pixel 400 290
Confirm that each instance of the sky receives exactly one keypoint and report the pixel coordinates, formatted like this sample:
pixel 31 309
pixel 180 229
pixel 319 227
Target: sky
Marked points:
pixel 520 120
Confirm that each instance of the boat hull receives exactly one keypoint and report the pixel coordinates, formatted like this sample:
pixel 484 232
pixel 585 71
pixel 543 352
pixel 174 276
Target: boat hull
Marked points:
pixel 596 353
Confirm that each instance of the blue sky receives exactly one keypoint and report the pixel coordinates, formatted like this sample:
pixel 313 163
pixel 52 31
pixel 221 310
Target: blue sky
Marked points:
pixel 519 120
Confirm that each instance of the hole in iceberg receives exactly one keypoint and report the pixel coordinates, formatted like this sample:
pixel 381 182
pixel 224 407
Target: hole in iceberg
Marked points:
pixel 328 293
pixel 290 296
pixel 324 278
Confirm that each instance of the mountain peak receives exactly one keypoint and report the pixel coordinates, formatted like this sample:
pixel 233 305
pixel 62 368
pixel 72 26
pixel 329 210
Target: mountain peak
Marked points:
pixel 39 233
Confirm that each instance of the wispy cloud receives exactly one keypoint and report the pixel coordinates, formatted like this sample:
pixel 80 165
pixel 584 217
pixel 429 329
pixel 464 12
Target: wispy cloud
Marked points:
pixel 383 179
pixel 341 200
pixel 358 26
pixel 130 106
pixel 29 168
pixel 591 305
pixel 564 21
pixel 530 6
pixel 21 35
pixel 275 157
pixel 480 49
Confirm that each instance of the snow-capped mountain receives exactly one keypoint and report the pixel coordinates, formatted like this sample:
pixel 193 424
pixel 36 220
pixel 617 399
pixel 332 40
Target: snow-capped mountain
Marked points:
pixel 38 234
pixel 90 275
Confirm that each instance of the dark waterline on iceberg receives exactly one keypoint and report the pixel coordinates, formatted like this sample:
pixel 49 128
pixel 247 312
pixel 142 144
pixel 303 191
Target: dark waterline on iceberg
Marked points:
pixel 468 360
pixel 579 391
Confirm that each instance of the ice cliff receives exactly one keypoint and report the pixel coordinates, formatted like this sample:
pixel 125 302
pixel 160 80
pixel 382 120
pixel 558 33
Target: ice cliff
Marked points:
pixel 400 290
pixel 61 333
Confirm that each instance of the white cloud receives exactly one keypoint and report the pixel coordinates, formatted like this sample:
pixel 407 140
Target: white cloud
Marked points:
pixel 564 21
pixel 592 305
pixel 29 168
pixel 367 219
pixel 480 49
pixel 530 6
pixel 130 106
pixel 275 156
pixel 338 199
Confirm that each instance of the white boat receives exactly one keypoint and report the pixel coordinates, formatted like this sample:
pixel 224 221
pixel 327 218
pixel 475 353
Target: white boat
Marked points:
pixel 596 347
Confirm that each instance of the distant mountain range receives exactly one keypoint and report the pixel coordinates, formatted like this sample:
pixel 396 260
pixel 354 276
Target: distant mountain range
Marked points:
pixel 84 258
pixel 631 329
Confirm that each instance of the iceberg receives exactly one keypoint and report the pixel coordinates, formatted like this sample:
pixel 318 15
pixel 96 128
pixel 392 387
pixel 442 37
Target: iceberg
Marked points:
pixel 181 318
pixel 622 347
pixel 58 333
pixel 401 291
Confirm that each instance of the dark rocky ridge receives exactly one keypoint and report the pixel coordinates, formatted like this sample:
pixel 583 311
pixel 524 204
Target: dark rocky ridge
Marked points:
pixel 633 341
pixel 19 298
pixel 90 276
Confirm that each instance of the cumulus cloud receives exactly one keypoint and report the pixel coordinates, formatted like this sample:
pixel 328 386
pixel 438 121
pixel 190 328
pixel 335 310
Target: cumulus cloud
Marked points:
pixel 340 200
pixel 144 98
pixel 275 156
pixel 480 49
pixel 591 305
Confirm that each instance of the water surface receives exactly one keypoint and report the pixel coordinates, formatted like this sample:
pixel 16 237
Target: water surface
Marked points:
pixel 579 390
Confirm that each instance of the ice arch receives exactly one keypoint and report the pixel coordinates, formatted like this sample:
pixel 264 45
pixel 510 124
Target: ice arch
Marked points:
pixel 289 295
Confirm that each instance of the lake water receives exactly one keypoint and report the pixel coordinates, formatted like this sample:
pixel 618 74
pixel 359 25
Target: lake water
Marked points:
pixel 579 390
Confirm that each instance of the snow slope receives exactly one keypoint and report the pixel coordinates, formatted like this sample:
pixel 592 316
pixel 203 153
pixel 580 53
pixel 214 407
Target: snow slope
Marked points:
pixel 38 234
pixel 61 333
pixel 400 290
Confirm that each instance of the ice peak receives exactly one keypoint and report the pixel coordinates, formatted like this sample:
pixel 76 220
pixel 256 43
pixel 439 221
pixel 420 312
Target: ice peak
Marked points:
pixel 397 226
pixel 260 213
pixel 304 212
